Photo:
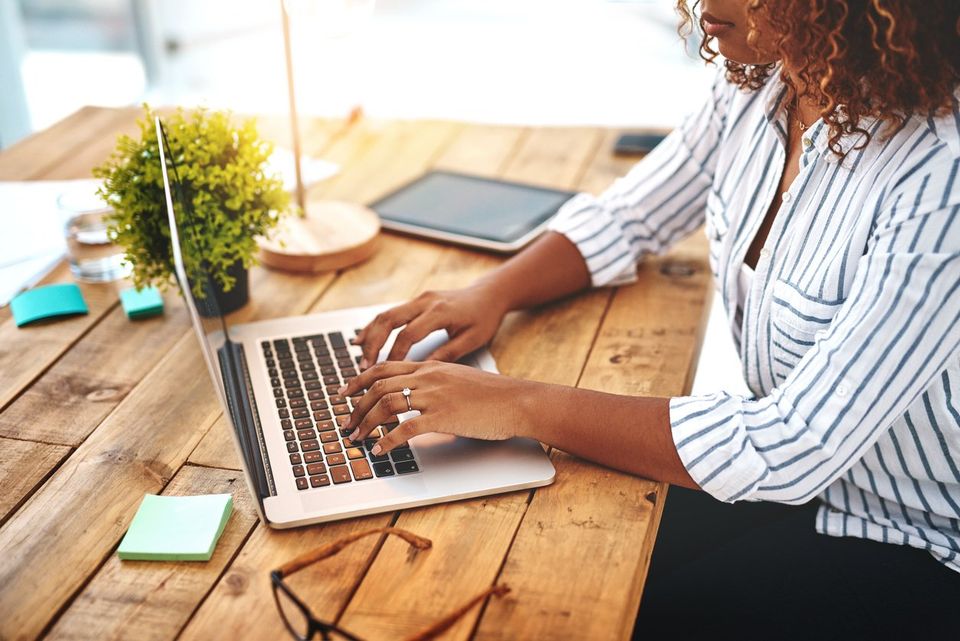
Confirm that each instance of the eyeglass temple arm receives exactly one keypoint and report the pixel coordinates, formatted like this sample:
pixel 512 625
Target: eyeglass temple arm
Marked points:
pixel 446 622
pixel 333 548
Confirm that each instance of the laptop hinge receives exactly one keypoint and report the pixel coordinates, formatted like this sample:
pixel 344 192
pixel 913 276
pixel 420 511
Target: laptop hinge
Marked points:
pixel 243 410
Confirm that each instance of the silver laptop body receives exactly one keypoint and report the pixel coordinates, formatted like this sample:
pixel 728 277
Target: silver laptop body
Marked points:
pixel 291 464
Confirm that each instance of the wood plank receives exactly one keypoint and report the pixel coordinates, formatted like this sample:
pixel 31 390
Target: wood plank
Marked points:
pixel 396 271
pixel 471 538
pixel 135 450
pixel 25 465
pixel 217 448
pixel 152 600
pixel 564 565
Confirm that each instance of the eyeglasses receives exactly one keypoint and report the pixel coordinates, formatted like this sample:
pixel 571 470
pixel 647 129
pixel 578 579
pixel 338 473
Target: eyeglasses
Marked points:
pixel 303 625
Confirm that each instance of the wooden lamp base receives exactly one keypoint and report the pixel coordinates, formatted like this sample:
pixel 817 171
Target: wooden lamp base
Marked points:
pixel 331 235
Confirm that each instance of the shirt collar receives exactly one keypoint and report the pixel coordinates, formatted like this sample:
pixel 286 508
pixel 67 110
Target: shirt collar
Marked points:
pixel 947 126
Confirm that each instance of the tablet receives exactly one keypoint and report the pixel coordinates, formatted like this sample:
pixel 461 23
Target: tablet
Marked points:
pixel 470 210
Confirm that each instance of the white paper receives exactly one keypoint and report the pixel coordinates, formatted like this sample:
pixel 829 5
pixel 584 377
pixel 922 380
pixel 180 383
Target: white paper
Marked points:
pixel 32 240
pixel 314 170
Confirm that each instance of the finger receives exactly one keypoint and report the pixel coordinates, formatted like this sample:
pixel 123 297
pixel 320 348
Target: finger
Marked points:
pixel 456 347
pixel 375 334
pixel 415 331
pixel 378 389
pixel 403 433
pixel 369 376
pixel 383 411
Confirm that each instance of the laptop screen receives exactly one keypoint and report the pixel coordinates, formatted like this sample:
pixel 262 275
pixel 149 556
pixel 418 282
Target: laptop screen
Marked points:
pixel 190 248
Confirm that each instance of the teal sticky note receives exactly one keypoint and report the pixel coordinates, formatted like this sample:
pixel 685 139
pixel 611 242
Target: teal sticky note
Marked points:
pixel 47 302
pixel 176 528
pixel 142 303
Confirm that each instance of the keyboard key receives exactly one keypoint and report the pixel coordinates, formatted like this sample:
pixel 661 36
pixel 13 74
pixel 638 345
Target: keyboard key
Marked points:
pixel 328 437
pixel 345 363
pixel 273 373
pixel 332 389
pixel 348 373
pixel 383 469
pixel 330 448
pixel 295 393
pixel 342 421
pixel 302 484
pixel 324 361
pixel 319 405
pixel 286 424
pixel 340 474
pixel 300 413
pixel 291 446
pixel 312 457
pixel 283 413
pixel 328 370
pixel 406 467
pixel 275 381
pixel 330 380
pixel 315 395
pixel 289 373
pixel 288 435
pixel 336 459
pixel 296 402
pixel 340 410
pixel 354 453
pixel 295 459
pixel 336 340
pixel 378 459
pixel 265 344
pixel 285 363
pixel 311 376
pixel 313 385
pixel 401 455
pixel 316 468
pixel 322 415
pixel 281 402
pixel 309 446
pixel 361 469
pixel 298 470
pixel 324 426
pixel 278 392
pixel 306 435
pixel 342 353
pixel 319 481
pixel 291 383
pixel 336 399
pixel 302 423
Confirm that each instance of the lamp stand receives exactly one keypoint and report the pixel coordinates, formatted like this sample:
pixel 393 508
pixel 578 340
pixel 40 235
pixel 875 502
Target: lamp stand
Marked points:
pixel 329 235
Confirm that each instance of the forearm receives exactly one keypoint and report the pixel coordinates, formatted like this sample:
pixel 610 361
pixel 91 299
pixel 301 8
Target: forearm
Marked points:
pixel 549 269
pixel 628 433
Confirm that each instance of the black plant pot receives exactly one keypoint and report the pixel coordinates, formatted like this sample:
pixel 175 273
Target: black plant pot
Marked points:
pixel 226 302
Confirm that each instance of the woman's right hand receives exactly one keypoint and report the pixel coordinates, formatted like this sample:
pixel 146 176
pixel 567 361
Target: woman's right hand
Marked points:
pixel 471 317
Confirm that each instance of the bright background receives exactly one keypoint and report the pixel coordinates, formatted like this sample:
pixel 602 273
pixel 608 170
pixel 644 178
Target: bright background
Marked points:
pixel 538 62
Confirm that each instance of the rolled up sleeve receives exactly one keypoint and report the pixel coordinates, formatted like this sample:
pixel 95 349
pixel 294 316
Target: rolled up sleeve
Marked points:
pixel 661 200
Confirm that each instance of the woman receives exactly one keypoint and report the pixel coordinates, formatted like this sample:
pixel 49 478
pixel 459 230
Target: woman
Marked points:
pixel 825 166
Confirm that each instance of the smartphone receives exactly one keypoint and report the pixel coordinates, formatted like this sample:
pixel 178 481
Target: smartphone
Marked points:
pixel 636 144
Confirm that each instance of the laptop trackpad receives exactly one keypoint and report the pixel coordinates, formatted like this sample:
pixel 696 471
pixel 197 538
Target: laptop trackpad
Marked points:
pixel 481 359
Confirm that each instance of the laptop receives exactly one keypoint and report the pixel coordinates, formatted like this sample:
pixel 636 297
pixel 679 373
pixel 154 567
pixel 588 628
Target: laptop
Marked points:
pixel 277 382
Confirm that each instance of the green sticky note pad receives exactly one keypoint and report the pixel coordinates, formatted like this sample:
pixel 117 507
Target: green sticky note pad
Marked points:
pixel 176 528
pixel 142 303
pixel 47 302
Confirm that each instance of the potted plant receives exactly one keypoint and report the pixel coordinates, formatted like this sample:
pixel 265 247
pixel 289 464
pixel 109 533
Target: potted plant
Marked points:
pixel 231 198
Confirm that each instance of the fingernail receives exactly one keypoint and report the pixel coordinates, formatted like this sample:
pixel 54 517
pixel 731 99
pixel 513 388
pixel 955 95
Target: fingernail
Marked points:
pixel 341 390
pixel 376 449
pixel 356 433
pixel 363 363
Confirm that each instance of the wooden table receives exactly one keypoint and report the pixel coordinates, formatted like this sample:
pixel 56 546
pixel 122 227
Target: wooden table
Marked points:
pixel 96 411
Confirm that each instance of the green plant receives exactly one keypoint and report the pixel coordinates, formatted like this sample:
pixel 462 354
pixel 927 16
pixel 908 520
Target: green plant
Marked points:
pixel 222 173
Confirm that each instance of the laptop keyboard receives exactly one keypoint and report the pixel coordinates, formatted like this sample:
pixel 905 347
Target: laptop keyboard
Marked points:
pixel 305 373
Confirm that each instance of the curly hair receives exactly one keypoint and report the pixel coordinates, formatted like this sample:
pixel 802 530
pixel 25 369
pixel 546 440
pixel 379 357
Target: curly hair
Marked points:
pixel 886 59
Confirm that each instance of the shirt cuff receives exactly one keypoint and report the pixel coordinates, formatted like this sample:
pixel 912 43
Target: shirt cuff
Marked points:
pixel 713 445
pixel 599 238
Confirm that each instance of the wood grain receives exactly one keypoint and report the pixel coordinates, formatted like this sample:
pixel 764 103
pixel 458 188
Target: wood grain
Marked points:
pixel 573 577
pixel 25 465
pixel 149 600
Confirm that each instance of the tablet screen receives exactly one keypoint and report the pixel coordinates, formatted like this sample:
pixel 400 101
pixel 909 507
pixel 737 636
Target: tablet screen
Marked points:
pixel 471 206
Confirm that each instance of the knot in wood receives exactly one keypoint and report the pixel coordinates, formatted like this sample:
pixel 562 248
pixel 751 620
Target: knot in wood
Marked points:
pixel 676 269
pixel 237 582
pixel 101 395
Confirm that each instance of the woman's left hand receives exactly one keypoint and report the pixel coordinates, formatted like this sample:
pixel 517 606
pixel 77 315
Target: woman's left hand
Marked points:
pixel 451 398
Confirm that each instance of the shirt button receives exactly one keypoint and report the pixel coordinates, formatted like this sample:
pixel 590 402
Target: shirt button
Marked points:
pixel 841 391
pixel 787 196
pixel 764 252
pixel 807 143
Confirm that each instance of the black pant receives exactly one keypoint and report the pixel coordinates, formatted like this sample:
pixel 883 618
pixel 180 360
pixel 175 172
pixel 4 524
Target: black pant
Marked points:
pixel 760 571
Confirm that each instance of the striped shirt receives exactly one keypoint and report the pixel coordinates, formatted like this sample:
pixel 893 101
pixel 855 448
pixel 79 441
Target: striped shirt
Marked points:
pixel 850 332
